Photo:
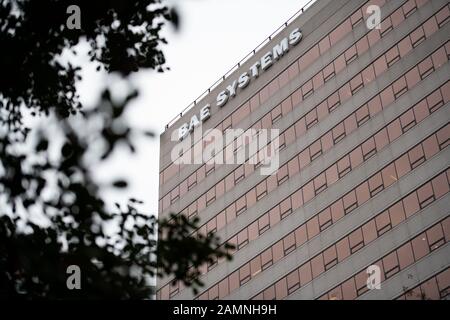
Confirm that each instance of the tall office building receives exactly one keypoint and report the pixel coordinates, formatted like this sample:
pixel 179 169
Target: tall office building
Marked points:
pixel 361 193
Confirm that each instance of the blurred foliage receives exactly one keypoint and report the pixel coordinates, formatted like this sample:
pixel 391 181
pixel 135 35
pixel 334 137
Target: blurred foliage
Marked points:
pixel 52 211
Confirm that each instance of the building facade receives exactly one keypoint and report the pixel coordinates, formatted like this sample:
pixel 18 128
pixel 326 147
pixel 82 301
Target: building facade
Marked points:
pixel 361 194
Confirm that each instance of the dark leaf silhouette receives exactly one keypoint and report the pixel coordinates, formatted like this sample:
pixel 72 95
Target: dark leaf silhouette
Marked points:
pixel 52 212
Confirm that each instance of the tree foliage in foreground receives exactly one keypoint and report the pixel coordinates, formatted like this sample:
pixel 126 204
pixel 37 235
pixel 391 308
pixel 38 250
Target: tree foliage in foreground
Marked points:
pixel 52 210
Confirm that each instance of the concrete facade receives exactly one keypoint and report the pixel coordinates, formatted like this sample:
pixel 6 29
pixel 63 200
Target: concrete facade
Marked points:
pixel 423 23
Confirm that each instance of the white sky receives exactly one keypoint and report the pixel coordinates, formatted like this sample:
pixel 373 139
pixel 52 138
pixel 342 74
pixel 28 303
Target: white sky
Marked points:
pixel 214 35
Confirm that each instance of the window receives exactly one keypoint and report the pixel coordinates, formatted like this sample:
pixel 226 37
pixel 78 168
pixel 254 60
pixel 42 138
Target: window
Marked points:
pixel 356 157
pixel 420 246
pixel 399 87
pixel 325 219
pixel 234 281
pixel 320 183
pixel 282 174
pixel 305 273
pixel 412 77
pixel 425 195
pixel 308 191
pixel 368 148
pixel 315 150
pixel 269 293
pixel 350 54
pixel 333 101
pixel 394 130
pixel 285 207
pixel 348 289
pixel 405 46
pixel 443 136
pixel 330 257
pixel 416 156
pixel 434 101
pixel 402 165
pixel 322 110
pixel 405 255
pixel 242 238
pixel 304 158
pixel 317 265
pixel 331 174
pixel 307 89
pixel 297 199
pixel 313 227
pixel 397 213
pixel 328 72
pixel 338 132
pixel 276 114
pixel 440 185
pixel 241 205
pixel 356 240
pixel 261 190
pixel 300 235
pixel 386 26
pixel 289 243
pixel 293 281
pixel 387 96
pixel 392 56
pixel 362 45
pixel 417 36
pixel 411 204
pixel 343 249
pixel 381 139
pixel 286 106
pixel 375 184
pixel 281 289
pixel 311 118
pixel 277 250
pixel 435 237
pixel 369 231
pixel 350 202
pixel 362 115
pixel 350 123
pixel 255 266
pixel 383 223
pixel 335 294
pixel 337 210
pixel 380 65
pixel 356 83
pixel 266 259
pixel 362 193
pixel 317 81
pixel 426 67
pixel 263 223
pixel 244 274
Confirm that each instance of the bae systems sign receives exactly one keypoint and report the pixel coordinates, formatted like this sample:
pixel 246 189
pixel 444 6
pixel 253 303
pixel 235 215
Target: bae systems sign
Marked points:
pixel 243 81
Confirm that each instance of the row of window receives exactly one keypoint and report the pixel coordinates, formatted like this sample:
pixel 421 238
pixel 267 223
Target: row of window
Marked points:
pixel 435 288
pixel 299 65
pixel 281 110
pixel 304 158
pixel 349 202
pixel 397 260
pixel 299 128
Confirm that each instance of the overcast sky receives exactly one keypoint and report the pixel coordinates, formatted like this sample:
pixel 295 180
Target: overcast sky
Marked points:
pixel 214 35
